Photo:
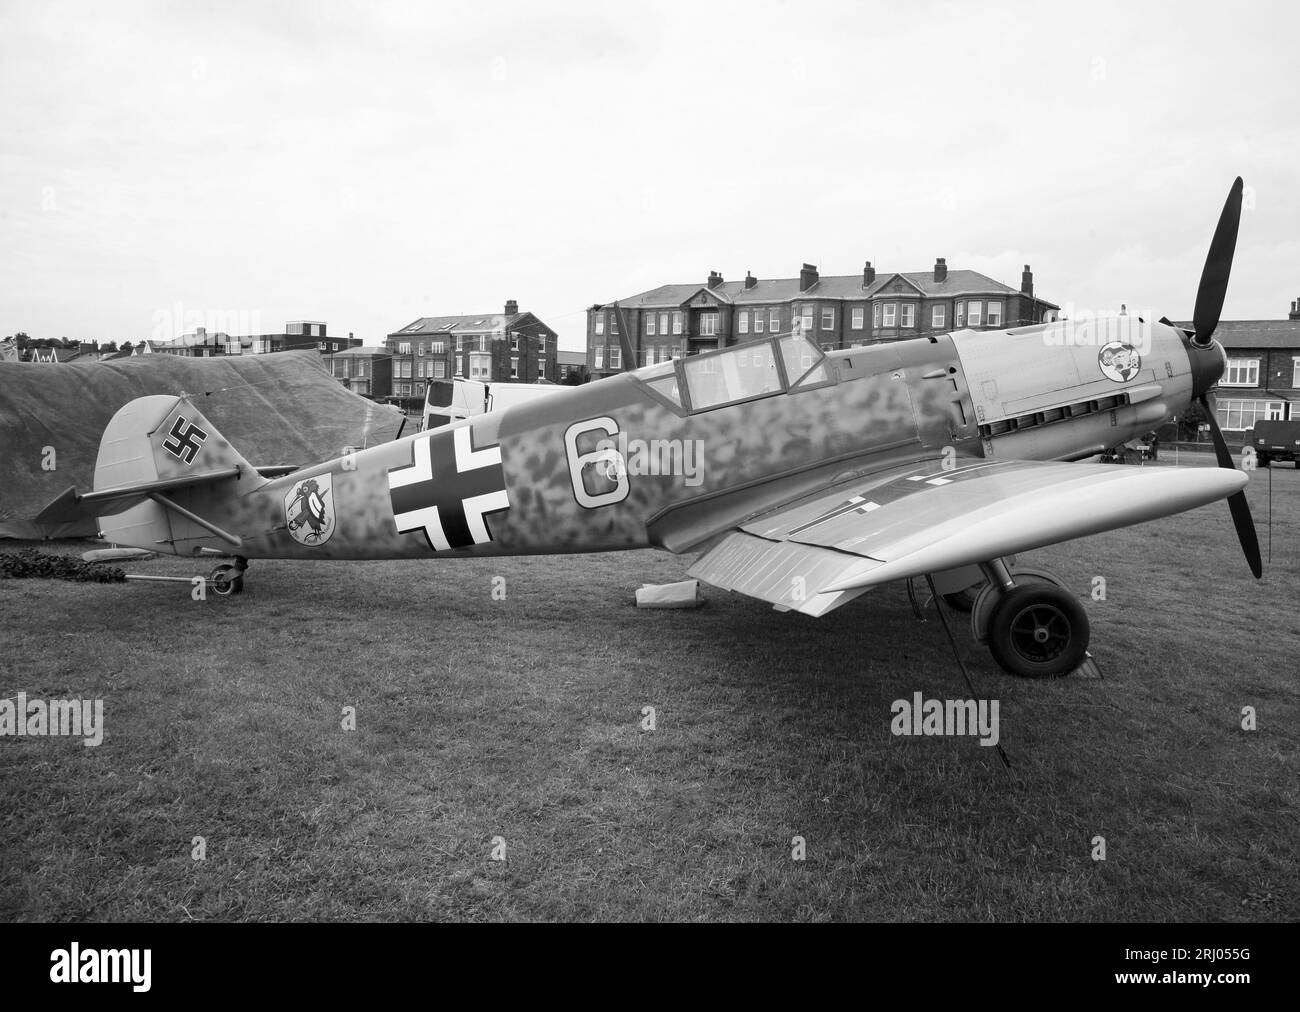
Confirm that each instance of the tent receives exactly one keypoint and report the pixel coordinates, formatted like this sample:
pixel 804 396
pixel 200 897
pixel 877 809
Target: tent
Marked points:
pixel 283 408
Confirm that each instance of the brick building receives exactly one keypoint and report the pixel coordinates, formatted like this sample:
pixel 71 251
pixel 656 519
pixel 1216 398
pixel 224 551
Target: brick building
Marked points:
pixel 297 334
pixel 493 347
pixel 837 312
pixel 1262 380
pixel 364 371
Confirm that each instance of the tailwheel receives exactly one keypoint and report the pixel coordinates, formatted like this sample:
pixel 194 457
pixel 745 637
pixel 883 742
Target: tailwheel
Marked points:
pixel 1038 631
pixel 226 580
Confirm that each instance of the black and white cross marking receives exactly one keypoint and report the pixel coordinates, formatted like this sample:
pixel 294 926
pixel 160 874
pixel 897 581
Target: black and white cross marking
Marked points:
pixel 856 504
pixel 185 440
pixel 449 490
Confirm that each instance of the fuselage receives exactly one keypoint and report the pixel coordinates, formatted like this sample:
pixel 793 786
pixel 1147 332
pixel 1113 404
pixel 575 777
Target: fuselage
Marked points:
pixel 671 455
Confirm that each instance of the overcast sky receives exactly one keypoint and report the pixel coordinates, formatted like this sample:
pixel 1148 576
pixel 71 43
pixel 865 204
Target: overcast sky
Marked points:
pixel 366 164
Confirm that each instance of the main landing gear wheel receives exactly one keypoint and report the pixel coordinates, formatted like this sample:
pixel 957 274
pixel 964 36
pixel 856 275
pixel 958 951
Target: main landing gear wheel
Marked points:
pixel 1038 631
pixel 226 580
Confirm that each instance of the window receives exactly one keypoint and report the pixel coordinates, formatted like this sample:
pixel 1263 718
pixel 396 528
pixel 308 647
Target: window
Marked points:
pixel 938 316
pixel 599 360
pixel 404 370
pixel 677 323
pixel 859 317
pixel 774 320
pixel 460 366
pixel 514 340
pixel 806 316
pixel 960 320
pixel 439 370
pixel 439 347
pixel 828 317
pixel 1295 372
pixel 747 370
pixel 404 348
pixel 514 368
pixel 482 342
pixel 909 314
pixel 743 324
pixel 480 366
pixel 663 324
pixel 708 324
pixel 803 360
pixel 613 323
pixel 758 321
pixel 995 313
pixel 1241 372
pixel 420 348
pixel 460 342
pixel 650 355
pixel 875 315
pixel 1238 415
pixel 600 324
pixel 615 357
pixel 891 313
pixel 973 313
pixel 650 324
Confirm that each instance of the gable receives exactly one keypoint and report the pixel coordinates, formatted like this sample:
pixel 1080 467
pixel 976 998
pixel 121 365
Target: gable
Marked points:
pixel 899 285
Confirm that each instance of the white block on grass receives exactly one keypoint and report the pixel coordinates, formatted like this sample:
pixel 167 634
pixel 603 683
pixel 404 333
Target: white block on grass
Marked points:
pixel 670 595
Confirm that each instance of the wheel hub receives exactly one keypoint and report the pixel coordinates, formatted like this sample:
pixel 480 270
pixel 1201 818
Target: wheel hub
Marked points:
pixel 1040 632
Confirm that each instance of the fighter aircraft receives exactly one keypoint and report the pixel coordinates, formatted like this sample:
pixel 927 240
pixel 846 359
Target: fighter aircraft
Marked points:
pixel 803 478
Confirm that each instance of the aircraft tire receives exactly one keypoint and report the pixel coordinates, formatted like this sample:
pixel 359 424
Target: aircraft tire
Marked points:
pixel 226 581
pixel 1038 631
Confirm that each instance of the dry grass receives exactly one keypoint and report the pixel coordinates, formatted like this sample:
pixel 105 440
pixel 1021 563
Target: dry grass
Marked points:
pixel 521 719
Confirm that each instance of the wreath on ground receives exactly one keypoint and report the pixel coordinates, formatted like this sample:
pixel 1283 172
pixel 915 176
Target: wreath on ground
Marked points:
pixel 31 564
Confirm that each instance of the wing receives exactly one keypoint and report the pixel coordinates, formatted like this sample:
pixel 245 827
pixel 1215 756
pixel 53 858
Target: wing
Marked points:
pixel 824 550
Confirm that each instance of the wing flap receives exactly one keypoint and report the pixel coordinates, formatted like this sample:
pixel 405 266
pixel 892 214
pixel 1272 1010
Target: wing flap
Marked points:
pixel 783 573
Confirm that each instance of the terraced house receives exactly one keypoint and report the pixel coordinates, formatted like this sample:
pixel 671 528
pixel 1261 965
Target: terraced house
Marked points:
pixel 1262 379
pixel 495 347
pixel 838 312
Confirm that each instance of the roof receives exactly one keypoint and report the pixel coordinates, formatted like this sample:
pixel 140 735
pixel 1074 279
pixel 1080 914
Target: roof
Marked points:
pixel 571 357
pixel 363 351
pixel 1281 334
pixel 849 286
pixel 475 323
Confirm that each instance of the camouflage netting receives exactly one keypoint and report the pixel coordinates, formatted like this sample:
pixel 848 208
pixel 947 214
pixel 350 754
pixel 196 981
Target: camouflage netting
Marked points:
pixel 275 409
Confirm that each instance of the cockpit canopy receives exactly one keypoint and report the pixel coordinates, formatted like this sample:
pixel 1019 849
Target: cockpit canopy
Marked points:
pixel 744 372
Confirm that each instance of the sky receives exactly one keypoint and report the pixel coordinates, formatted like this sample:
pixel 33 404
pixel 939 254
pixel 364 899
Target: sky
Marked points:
pixel 366 164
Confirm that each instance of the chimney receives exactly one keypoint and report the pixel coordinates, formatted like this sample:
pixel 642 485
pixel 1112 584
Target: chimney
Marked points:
pixel 512 307
pixel 751 281
pixel 1027 282
pixel 807 277
pixel 940 270
pixel 868 275
pixel 1295 310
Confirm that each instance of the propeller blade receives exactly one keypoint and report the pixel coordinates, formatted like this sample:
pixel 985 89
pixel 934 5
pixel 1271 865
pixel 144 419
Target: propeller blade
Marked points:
pixel 1237 505
pixel 625 340
pixel 1218 266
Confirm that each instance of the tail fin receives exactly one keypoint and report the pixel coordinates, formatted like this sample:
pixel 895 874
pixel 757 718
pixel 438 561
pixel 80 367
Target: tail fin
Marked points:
pixel 154 451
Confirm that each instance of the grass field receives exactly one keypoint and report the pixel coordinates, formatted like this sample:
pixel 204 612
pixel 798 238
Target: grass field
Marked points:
pixel 521 720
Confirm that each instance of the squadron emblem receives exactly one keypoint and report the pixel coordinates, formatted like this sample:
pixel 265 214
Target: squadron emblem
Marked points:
pixel 309 509
pixel 1119 362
